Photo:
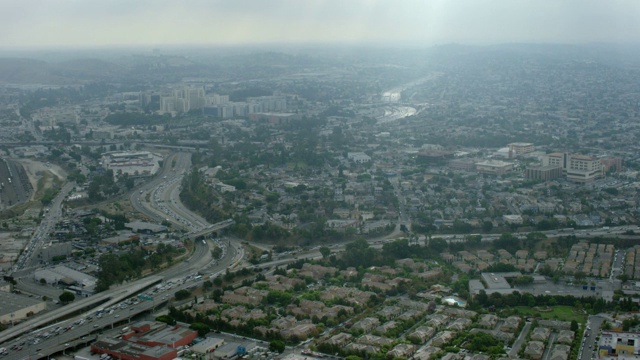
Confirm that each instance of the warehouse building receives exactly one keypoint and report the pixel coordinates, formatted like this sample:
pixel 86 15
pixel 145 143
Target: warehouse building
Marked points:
pixel 148 340
pixel 205 349
pixel 15 308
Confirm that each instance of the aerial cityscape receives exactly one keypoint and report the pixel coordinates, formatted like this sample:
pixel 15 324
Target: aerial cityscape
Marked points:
pixel 286 194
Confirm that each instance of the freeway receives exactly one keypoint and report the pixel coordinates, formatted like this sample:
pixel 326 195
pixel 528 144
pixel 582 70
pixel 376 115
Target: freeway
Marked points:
pixel 200 261
pixel 160 200
pixel 113 295
pixel 138 198
pixel 82 329
pixel 51 217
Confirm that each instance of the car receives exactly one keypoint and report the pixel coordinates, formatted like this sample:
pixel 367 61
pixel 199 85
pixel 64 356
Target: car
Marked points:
pixel 66 344
pixel 117 315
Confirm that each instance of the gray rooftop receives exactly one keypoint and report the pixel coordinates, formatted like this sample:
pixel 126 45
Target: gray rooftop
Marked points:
pixel 495 281
pixel 10 302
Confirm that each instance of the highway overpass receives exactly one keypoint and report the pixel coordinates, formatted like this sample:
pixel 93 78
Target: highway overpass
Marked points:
pixel 103 299
pixel 211 229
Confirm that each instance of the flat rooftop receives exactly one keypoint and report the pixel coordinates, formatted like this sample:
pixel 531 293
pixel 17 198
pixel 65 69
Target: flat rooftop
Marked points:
pixel 495 281
pixel 10 302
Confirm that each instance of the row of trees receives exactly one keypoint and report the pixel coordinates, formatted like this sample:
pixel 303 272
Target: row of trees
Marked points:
pixel 596 305
pixel 115 269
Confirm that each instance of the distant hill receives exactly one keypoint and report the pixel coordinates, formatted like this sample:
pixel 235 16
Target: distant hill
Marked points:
pixel 29 71
pixel 88 69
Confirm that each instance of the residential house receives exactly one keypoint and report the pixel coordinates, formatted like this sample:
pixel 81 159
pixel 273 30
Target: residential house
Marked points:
pixel 534 350
pixel 401 351
pixel 565 337
pixel 442 338
pixel 426 353
pixel 361 348
pixel 373 340
pixel 366 324
pixel 459 324
pixel 540 333
pixel 438 320
pixel 386 327
pixel 488 321
pixel 340 339
pixel 560 352
pixel 421 334
pixel 511 324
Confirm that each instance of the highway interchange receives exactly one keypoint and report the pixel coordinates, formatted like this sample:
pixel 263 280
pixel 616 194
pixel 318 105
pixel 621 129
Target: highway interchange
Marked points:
pixel 21 341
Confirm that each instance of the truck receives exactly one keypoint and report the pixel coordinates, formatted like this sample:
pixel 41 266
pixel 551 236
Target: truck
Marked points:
pixel 125 330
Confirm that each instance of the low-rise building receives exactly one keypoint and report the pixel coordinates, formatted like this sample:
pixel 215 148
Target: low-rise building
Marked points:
pixel 614 343
pixel 15 308
pixel 494 167
pixel 204 350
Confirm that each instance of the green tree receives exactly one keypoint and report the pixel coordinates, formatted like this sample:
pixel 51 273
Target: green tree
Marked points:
pixel 325 251
pixel 182 294
pixel 66 297
pixel 574 325
pixel 277 345
pixel 216 252
pixel 201 328
pixel 167 319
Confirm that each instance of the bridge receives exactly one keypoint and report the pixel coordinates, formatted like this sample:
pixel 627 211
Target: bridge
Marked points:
pixel 211 229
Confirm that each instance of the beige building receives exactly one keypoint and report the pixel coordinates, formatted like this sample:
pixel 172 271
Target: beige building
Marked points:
pixel 15 308
pixel 577 168
pixel 519 148
pixel 494 167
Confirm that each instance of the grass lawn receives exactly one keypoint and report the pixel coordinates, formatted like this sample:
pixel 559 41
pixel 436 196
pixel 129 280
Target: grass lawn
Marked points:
pixel 563 313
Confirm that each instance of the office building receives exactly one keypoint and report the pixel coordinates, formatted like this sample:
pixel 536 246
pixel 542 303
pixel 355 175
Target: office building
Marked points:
pixel 544 173
pixel 494 167
pixel 519 148
pixel 576 167
pixel 611 164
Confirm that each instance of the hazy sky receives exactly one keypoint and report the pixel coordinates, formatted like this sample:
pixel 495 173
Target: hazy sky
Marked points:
pixel 28 23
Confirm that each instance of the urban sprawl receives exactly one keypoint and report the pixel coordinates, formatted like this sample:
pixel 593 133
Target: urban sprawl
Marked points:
pixel 452 203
